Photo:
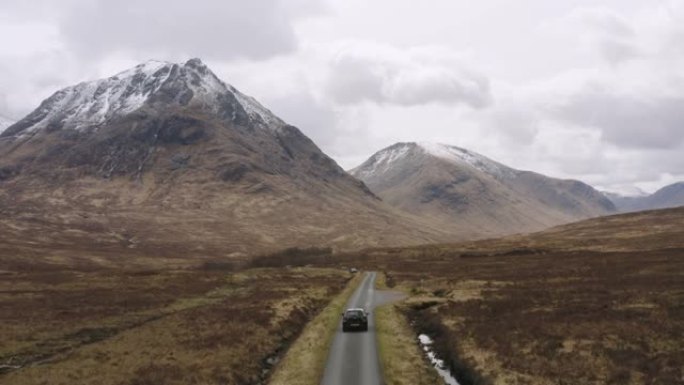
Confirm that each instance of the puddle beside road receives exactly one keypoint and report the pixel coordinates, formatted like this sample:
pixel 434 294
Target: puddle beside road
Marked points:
pixel 437 363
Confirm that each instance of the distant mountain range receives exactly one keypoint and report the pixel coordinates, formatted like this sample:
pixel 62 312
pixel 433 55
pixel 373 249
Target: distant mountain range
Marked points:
pixel 474 194
pixel 165 159
pixel 667 197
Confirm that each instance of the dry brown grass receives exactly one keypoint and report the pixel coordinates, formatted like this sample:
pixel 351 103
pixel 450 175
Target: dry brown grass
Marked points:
pixel 598 302
pixel 402 361
pixel 594 318
pixel 151 327
pixel 591 303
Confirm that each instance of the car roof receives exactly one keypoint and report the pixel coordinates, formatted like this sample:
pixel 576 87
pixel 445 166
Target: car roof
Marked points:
pixel 355 309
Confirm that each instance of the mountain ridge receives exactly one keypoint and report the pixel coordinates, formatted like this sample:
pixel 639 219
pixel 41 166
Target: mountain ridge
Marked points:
pixel 473 192
pixel 669 196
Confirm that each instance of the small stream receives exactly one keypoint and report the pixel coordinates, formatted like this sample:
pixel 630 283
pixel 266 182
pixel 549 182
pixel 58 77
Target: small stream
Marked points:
pixel 444 372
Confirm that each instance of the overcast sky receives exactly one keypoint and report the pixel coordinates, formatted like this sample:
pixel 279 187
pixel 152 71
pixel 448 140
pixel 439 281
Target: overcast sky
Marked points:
pixel 584 89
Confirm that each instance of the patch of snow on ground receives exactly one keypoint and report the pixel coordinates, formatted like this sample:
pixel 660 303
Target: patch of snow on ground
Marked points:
pixel 426 342
pixel 425 339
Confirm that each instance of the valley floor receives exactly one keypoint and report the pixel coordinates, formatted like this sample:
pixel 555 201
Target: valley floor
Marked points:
pixel 597 302
pixel 153 327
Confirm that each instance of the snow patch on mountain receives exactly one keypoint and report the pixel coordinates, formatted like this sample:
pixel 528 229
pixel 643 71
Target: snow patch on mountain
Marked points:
pixel 88 105
pixel 256 111
pixel 4 123
pixel 382 161
pixel 92 103
pixel 386 159
pixel 464 157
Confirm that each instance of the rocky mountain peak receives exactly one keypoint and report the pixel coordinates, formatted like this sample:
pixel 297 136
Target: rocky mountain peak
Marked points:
pixel 89 105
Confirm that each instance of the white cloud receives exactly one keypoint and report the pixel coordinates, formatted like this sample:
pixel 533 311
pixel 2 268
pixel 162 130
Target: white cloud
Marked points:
pixel 382 74
pixel 632 121
pixel 255 29
pixel 597 30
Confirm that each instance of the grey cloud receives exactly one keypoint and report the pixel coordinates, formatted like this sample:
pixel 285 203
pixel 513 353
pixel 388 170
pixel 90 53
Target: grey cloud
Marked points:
pixel 439 85
pixel 353 80
pixel 315 119
pixel 73 40
pixel 511 122
pixel 669 161
pixel 610 33
pixel 649 169
pixel 409 77
pixel 617 50
pixel 26 80
pixel 341 133
pixel 605 21
pixel 631 125
pixel 221 30
pixel 628 120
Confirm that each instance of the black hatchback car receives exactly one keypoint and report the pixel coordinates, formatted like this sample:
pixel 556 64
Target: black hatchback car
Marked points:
pixel 355 319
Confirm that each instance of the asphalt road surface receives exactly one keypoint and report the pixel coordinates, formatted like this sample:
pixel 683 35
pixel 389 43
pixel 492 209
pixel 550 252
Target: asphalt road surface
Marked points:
pixel 353 357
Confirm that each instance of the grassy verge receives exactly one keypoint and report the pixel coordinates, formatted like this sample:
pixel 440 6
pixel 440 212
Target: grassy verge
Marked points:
pixel 304 362
pixel 402 361
pixel 401 358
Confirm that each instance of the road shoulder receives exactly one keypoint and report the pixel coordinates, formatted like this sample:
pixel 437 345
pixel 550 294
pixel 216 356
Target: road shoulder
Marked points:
pixel 403 363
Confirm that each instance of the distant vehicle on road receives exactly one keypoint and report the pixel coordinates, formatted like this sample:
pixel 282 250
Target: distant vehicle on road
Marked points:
pixel 353 270
pixel 355 319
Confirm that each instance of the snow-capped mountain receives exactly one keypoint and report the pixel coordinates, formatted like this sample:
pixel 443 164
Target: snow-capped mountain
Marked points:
pixel 90 105
pixel 384 160
pixel 666 197
pixel 170 152
pixel 474 193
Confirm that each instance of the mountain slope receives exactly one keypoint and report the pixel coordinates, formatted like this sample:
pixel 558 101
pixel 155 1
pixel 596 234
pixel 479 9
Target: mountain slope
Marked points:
pixel 477 195
pixel 667 197
pixel 4 123
pixel 167 159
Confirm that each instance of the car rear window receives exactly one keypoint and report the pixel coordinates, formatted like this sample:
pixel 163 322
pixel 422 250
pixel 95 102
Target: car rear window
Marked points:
pixel 355 313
